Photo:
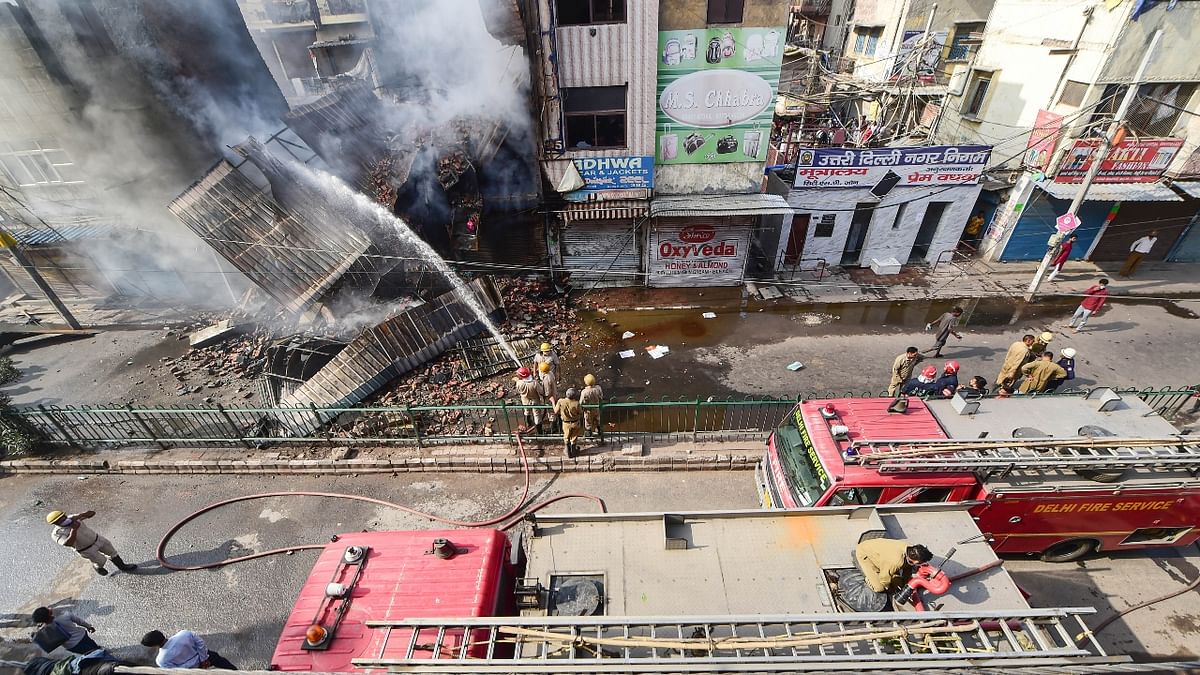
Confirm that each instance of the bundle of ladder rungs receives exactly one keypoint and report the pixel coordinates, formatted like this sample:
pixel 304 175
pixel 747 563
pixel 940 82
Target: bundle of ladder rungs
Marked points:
pixel 1075 450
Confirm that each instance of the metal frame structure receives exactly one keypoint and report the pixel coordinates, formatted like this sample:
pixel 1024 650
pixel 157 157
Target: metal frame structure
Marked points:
pixel 784 643
pixel 1083 452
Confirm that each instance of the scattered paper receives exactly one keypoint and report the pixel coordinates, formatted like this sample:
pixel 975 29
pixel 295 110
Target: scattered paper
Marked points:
pixel 626 335
pixel 627 354
pixel 657 351
pixel 709 315
pixel 795 365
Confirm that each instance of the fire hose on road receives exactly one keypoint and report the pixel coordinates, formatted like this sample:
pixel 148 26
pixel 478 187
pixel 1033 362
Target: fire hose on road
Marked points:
pixel 513 516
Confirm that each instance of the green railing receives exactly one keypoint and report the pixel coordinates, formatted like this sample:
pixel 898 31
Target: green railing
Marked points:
pixel 692 420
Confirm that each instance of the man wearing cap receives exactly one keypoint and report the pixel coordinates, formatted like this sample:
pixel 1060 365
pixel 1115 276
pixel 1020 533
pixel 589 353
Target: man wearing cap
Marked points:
pixel 570 413
pixel 1040 344
pixel 530 391
pixel 1067 361
pixel 549 385
pixel 546 354
pixel 923 384
pixel 591 395
pixel 70 531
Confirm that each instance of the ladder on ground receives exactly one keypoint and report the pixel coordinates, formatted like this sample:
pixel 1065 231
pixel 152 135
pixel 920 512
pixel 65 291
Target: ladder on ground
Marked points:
pixel 886 641
pixel 1093 453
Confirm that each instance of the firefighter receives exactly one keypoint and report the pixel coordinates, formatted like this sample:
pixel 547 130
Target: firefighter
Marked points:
pixel 530 391
pixel 546 354
pixel 1041 343
pixel 549 384
pixel 571 414
pixel 1039 373
pixel 591 394
pixel 947 384
pixel 70 531
pixel 1017 356
pixel 923 384
pixel 888 563
pixel 902 369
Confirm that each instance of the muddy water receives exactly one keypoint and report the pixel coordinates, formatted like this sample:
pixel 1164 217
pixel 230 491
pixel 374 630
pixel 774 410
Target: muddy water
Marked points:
pixel 679 375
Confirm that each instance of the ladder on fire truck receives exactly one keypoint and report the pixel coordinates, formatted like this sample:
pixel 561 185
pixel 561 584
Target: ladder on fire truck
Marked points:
pixel 1056 639
pixel 1091 453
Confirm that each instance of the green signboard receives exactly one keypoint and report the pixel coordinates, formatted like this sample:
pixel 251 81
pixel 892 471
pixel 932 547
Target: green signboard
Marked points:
pixel 716 94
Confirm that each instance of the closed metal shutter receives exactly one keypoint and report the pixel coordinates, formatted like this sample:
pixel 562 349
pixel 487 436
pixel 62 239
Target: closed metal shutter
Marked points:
pixel 602 254
pixel 697 252
pixel 1188 247
pixel 1135 220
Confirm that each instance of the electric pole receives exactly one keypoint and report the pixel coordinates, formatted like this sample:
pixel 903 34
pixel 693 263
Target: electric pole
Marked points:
pixel 1097 158
pixel 14 247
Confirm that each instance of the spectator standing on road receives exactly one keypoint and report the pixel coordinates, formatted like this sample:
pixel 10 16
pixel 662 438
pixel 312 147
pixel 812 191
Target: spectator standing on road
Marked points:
pixel 69 531
pixel 943 329
pixel 530 391
pixel 1018 355
pixel 546 354
pixel 1067 361
pixel 1093 300
pixel 549 384
pixel 571 414
pixel 184 649
pixel 1061 259
pixel 1039 373
pixel 591 395
pixel 72 631
pixel 1137 251
pixel 902 369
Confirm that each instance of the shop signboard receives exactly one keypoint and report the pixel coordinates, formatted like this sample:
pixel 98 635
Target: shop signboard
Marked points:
pixel 1131 161
pixel 616 173
pixel 864 168
pixel 716 94
pixel 1042 139
pixel 697 254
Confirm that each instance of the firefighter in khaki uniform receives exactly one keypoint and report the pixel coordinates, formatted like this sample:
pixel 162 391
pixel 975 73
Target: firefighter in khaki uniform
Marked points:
pixel 1038 374
pixel 591 394
pixel 531 396
pixel 886 563
pixel 571 414
pixel 70 531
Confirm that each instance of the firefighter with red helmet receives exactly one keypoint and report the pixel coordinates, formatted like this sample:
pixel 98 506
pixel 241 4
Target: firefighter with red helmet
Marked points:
pixel 947 384
pixel 530 391
pixel 923 384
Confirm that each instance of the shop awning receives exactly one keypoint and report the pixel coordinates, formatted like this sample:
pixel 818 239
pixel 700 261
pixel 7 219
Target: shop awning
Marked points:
pixel 614 209
pixel 1192 188
pixel 1113 192
pixel 719 205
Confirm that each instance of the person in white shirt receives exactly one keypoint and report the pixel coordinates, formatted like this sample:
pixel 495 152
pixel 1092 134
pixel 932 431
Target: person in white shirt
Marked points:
pixel 184 649
pixel 1137 251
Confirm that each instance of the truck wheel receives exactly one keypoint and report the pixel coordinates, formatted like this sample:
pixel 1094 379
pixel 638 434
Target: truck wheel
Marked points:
pixel 1068 551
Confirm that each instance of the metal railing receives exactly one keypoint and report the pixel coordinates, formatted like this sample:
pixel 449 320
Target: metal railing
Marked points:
pixel 663 421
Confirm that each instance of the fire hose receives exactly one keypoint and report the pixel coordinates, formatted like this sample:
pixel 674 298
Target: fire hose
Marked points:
pixel 1195 583
pixel 514 516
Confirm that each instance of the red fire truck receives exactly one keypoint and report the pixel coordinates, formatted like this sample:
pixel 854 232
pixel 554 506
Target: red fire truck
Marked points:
pixel 1061 476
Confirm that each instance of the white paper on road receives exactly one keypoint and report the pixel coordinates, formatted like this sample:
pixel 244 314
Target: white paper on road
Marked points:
pixel 709 315
pixel 627 354
pixel 626 335
pixel 657 351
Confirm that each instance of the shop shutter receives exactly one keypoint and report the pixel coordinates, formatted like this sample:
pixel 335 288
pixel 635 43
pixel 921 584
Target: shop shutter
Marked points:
pixel 602 254
pixel 1187 249
pixel 1135 220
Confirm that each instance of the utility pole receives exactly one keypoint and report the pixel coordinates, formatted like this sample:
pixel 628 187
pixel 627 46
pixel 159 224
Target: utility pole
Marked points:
pixel 10 242
pixel 918 55
pixel 1097 158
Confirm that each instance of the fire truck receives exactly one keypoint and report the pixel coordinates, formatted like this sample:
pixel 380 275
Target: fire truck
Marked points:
pixel 674 592
pixel 1061 476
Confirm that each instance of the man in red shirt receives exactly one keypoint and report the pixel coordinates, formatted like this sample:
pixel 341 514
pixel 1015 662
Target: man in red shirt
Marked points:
pixel 1093 300
pixel 1061 259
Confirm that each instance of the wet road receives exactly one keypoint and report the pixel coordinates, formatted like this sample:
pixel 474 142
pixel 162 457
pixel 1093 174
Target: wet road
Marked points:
pixel 240 608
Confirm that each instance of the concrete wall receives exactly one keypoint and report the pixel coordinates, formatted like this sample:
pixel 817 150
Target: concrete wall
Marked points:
pixel 1026 76
pixel 838 26
pixel 1175 60
pixel 686 14
pixel 883 241
pixel 888 13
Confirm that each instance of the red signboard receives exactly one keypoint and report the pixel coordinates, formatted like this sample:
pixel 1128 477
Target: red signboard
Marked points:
pixel 1132 161
pixel 1042 139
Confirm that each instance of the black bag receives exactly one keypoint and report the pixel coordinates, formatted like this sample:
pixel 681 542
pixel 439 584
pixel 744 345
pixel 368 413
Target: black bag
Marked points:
pixel 50 637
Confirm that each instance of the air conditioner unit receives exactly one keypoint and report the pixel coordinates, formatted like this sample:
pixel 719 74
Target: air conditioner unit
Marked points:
pixel 958 80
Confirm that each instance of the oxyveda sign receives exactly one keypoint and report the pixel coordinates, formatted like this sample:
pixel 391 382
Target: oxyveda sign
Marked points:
pixel 699 254
pixel 716 94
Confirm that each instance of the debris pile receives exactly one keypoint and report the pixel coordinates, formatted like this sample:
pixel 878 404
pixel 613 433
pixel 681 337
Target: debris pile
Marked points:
pixel 224 370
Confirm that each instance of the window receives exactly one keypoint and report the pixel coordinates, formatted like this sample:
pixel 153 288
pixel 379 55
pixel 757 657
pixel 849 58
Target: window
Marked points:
pixel 978 93
pixel 866 40
pixel 579 12
pixel 899 216
pixel 595 116
pixel 725 11
pixel 966 35
pixel 825 225
pixel 31 164
pixel 1072 93
pixel 1155 111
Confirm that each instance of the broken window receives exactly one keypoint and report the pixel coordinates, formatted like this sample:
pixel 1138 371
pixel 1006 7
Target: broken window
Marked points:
pixel 978 93
pixel 595 116
pixel 580 12
pixel 725 11
pixel 1155 112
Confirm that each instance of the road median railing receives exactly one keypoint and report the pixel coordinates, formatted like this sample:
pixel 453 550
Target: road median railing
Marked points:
pixel 620 421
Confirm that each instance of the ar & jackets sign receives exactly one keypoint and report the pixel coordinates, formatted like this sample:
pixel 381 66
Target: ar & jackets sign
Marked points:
pixel 864 168
pixel 716 94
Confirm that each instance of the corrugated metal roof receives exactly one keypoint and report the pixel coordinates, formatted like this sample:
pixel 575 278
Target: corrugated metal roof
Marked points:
pixel 399 581
pixel 719 205
pixel 1113 192
pixel 36 236
pixel 1190 187
pixel 613 209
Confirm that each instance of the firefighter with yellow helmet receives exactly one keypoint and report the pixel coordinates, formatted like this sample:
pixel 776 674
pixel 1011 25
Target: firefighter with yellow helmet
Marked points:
pixel 71 532
pixel 591 394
